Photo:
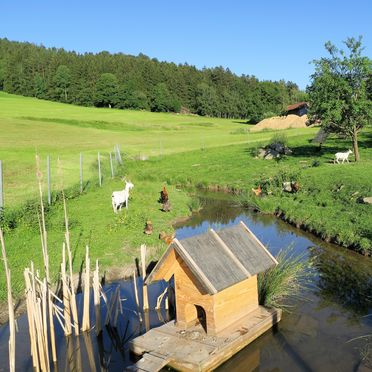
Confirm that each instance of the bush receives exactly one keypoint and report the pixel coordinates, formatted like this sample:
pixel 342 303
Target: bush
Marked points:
pixel 285 281
pixel 280 138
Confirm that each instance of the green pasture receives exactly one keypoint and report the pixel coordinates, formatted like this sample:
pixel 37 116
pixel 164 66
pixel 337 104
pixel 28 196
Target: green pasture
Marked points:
pixel 29 126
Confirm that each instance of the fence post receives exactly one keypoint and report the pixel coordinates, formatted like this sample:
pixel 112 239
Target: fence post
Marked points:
pixel 48 181
pixel 118 154
pixel 111 166
pixel 99 170
pixel 1 186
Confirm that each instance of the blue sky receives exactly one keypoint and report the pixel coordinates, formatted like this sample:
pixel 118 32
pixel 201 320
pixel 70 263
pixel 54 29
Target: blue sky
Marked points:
pixel 269 39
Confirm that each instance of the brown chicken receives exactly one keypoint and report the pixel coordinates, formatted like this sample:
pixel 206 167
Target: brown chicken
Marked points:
pixel 164 195
pixel 168 238
pixel 257 191
pixel 148 228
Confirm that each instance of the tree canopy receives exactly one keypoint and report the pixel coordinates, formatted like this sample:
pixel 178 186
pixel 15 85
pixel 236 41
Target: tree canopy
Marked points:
pixel 339 91
pixel 138 82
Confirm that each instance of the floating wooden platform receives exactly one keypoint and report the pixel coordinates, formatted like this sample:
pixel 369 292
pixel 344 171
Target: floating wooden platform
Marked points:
pixel 193 350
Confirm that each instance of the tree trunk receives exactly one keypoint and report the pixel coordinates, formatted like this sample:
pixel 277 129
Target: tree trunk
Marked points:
pixel 355 146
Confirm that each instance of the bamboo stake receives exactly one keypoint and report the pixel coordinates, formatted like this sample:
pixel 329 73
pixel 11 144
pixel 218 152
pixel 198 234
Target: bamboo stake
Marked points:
pixel 73 296
pixel 144 287
pixel 44 305
pixel 40 339
pixel 66 297
pixel 44 246
pixel 30 316
pixel 136 295
pixel 10 306
pixel 97 299
pixel 86 320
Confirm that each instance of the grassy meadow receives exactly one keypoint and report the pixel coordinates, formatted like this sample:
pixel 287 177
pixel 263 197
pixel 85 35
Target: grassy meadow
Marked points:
pixel 183 151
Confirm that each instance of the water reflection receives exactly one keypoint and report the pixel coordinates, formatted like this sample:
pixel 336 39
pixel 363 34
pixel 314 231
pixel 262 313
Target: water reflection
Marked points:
pixel 342 279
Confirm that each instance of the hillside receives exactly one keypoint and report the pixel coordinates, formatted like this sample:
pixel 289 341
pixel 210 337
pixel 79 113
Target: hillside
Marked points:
pixel 30 126
pixel 138 82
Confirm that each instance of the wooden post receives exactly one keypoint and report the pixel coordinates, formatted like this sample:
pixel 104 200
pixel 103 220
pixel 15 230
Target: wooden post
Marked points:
pixel 66 297
pixel 81 172
pixel 1 186
pixel 97 299
pixel 49 181
pixel 71 282
pixel 99 170
pixel 86 318
pixel 111 166
pixel 144 289
pixel 31 322
pixel 10 307
pixel 136 295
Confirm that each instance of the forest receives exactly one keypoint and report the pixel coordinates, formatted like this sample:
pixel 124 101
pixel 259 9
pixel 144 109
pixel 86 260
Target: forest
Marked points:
pixel 139 82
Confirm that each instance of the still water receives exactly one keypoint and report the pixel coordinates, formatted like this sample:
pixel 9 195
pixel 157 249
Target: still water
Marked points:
pixel 322 332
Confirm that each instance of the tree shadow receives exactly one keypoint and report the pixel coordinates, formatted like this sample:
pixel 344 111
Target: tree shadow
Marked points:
pixel 245 122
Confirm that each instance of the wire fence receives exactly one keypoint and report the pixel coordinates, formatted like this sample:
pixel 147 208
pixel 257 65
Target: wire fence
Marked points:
pixel 89 168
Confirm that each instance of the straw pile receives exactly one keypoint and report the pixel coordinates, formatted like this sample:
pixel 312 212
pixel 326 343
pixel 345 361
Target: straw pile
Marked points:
pixel 282 122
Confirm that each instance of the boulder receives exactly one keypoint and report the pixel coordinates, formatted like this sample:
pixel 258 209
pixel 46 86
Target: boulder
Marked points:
pixel 271 154
pixel 261 153
pixel 287 186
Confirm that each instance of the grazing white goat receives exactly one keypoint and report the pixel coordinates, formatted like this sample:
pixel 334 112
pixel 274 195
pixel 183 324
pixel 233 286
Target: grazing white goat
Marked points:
pixel 119 198
pixel 342 156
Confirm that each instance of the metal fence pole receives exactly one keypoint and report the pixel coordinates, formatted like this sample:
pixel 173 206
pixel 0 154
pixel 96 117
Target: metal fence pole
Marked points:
pixel 99 170
pixel 111 166
pixel 81 172
pixel 1 186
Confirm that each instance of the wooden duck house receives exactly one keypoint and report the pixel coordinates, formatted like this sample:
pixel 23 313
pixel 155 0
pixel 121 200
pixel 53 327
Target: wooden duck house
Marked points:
pixel 215 277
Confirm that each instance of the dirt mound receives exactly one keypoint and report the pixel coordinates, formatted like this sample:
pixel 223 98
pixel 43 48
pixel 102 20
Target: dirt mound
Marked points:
pixel 281 122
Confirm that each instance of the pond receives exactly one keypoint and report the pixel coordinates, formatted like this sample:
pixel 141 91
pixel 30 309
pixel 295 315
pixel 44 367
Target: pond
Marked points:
pixel 321 333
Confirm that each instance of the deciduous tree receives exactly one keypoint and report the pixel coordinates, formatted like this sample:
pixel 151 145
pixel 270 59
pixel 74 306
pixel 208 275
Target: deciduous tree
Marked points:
pixel 338 91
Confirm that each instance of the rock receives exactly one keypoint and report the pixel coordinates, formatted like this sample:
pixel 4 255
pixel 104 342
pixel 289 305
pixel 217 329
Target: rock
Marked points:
pixel 278 147
pixel 287 151
pixel 271 154
pixel 261 153
pixel 367 200
pixel 287 186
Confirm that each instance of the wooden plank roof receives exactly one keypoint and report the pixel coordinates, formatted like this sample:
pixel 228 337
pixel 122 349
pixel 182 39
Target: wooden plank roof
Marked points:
pixel 221 259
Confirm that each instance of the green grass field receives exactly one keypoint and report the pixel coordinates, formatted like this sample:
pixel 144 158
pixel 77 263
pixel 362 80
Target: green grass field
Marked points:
pixel 183 151
pixel 31 126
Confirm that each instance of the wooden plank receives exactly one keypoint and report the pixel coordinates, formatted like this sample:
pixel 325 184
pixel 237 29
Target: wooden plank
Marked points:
pixel 255 238
pixel 150 363
pixel 185 352
pixel 231 254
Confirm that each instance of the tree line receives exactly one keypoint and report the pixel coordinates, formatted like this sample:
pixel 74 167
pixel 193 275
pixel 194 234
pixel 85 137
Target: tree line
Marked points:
pixel 138 82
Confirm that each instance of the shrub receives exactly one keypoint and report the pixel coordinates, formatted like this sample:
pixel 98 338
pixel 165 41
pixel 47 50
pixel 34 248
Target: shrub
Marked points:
pixel 285 281
pixel 280 138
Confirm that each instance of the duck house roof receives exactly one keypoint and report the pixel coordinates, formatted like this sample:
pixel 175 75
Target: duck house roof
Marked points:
pixel 220 259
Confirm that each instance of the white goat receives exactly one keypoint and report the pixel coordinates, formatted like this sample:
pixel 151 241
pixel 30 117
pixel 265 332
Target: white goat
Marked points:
pixel 342 156
pixel 119 198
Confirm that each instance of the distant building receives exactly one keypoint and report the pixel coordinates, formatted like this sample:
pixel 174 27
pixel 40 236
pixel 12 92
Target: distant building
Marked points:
pixel 298 109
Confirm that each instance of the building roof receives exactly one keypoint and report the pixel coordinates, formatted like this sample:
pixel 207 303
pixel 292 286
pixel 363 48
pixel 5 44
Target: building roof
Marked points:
pixel 296 106
pixel 221 259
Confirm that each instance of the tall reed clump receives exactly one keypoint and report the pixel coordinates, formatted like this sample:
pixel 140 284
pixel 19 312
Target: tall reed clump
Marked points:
pixel 195 205
pixel 284 282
